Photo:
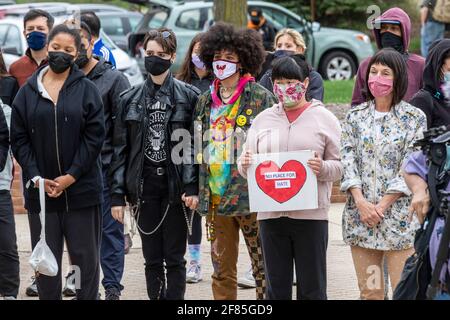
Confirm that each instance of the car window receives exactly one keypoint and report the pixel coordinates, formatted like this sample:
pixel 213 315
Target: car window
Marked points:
pixel 157 20
pixel 278 19
pixel 13 38
pixel 193 19
pixel 134 20
pixel 3 33
pixel 112 26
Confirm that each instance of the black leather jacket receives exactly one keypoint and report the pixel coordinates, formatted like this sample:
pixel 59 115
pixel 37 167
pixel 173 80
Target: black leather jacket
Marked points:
pixel 131 122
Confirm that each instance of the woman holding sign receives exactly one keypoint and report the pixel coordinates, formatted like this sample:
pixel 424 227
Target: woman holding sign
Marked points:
pixel 296 124
pixel 378 136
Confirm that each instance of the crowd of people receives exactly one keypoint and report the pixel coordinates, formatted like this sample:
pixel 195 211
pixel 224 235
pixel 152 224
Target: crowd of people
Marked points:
pixel 167 151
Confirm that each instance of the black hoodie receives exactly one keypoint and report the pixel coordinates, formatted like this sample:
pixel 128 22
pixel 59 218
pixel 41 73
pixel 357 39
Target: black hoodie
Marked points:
pixel 51 141
pixel 430 99
pixel 111 83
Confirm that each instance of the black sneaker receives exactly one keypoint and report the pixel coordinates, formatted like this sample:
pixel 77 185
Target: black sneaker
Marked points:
pixel 112 294
pixel 32 290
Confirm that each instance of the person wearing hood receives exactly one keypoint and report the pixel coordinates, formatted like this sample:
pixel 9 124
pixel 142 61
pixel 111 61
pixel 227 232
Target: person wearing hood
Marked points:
pixel 296 123
pixel 289 42
pixel 392 30
pixel 153 166
pixel 111 83
pixel 37 24
pixel 432 98
pixel 57 133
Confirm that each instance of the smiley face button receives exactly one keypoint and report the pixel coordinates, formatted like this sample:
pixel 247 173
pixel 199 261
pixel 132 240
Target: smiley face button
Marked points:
pixel 241 120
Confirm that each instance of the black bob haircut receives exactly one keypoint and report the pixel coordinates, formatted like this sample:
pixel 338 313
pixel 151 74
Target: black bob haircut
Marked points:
pixel 393 59
pixel 93 22
pixel 246 43
pixel 36 13
pixel 291 67
pixel 62 28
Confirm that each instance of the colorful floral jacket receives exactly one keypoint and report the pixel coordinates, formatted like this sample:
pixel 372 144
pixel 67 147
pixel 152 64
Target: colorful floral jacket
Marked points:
pixel 254 99
pixel 373 152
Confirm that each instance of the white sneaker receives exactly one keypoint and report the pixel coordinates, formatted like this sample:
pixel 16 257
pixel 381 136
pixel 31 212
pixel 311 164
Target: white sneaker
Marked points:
pixel 9 298
pixel 194 273
pixel 247 281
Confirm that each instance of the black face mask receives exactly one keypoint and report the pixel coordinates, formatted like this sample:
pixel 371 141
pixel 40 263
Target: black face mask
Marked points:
pixel 156 65
pixel 82 59
pixel 256 20
pixel 59 61
pixel 390 40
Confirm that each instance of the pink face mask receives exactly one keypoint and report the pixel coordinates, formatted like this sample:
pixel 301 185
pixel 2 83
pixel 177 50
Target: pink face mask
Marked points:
pixel 380 86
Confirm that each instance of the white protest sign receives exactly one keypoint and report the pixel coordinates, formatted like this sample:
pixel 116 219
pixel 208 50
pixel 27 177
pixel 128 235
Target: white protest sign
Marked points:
pixel 282 182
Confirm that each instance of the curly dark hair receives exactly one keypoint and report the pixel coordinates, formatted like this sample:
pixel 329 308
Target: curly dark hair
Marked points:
pixel 246 43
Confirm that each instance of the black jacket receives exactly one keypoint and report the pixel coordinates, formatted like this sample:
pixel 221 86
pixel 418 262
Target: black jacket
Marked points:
pixel 315 88
pixel 51 141
pixel 430 99
pixel 202 84
pixel 8 89
pixel 268 34
pixel 4 140
pixel 111 83
pixel 129 132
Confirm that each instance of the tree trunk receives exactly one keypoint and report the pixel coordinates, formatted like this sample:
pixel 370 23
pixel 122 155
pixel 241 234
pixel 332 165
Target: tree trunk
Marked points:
pixel 231 11
pixel 313 10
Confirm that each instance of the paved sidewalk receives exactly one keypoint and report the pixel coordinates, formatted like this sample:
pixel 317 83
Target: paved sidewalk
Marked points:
pixel 341 275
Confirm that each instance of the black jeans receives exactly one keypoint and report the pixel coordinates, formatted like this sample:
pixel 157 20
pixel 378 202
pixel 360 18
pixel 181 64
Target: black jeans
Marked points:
pixel 9 258
pixel 286 240
pixel 165 266
pixel 82 231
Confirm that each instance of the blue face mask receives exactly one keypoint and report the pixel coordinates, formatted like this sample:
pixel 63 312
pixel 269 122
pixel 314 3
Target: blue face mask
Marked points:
pixel 446 85
pixel 36 40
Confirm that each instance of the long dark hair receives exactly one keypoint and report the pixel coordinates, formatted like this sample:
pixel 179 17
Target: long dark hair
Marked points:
pixel 188 67
pixel 3 71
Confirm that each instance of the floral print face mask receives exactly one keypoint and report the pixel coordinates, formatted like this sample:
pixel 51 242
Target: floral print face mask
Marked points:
pixel 290 94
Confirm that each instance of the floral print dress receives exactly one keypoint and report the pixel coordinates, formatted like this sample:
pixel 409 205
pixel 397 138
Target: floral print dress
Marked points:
pixel 373 152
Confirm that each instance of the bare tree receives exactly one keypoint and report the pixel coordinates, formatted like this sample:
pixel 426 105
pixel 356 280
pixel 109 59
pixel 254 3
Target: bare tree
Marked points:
pixel 231 11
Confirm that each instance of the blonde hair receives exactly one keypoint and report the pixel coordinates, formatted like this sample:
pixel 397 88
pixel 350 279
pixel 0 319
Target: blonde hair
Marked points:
pixel 294 34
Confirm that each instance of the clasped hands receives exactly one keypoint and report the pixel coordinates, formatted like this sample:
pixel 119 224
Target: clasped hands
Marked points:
pixel 54 188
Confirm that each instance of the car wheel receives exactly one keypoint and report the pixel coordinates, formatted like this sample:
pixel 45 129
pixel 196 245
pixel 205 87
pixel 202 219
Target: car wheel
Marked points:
pixel 338 65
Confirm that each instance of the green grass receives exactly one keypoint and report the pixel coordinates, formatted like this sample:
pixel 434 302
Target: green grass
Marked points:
pixel 338 91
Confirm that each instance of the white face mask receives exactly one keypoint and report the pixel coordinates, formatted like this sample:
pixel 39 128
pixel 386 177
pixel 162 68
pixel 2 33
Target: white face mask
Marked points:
pixel 224 69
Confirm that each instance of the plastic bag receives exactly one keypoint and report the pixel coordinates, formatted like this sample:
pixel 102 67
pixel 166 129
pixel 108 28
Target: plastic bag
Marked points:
pixel 42 259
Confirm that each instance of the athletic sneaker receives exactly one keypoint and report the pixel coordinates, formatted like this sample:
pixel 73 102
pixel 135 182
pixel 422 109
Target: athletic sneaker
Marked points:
pixel 194 273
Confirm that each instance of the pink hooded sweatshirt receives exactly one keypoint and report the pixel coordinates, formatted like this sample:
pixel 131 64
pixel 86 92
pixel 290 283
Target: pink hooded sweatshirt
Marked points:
pixel 415 63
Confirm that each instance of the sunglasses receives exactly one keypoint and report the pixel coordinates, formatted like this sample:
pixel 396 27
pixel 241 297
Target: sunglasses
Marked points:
pixel 164 34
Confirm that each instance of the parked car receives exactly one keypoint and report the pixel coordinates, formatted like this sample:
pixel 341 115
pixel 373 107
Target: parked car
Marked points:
pixel 117 25
pixel 6 2
pixel 14 44
pixel 335 53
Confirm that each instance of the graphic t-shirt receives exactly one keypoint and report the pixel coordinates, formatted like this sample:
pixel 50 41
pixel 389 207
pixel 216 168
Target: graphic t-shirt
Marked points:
pixel 155 142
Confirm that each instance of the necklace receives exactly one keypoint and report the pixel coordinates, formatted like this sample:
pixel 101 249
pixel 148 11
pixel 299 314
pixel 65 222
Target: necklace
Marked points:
pixel 223 91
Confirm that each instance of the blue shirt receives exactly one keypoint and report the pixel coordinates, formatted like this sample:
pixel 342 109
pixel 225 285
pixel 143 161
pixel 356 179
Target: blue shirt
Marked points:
pixel 103 51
